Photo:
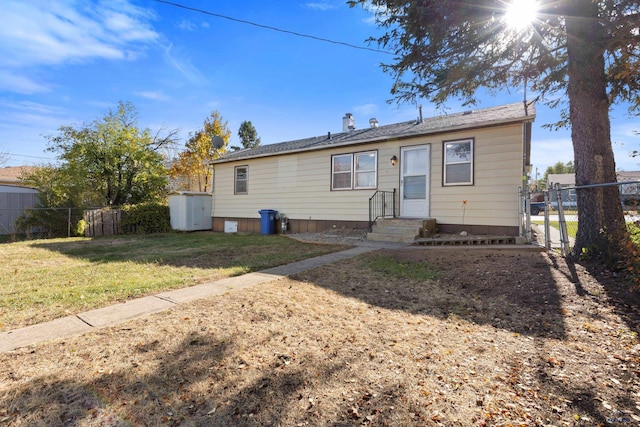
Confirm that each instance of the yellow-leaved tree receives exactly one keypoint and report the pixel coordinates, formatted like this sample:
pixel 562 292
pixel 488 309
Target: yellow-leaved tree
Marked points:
pixel 191 170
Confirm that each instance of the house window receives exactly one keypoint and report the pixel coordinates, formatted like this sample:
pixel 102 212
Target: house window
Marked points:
pixel 241 179
pixel 354 171
pixel 458 162
pixel 341 177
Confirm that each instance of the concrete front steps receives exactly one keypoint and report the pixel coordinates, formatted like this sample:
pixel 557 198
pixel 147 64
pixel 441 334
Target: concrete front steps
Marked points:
pixel 395 230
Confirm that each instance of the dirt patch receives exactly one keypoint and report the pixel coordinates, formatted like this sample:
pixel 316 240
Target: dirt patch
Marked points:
pixel 500 337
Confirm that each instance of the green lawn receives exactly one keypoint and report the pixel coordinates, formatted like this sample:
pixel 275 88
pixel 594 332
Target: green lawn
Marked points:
pixel 572 229
pixel 46 279
pixel 572 226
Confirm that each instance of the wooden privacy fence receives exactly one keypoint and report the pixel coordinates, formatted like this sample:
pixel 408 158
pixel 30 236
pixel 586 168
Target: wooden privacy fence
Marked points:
pixel 102 222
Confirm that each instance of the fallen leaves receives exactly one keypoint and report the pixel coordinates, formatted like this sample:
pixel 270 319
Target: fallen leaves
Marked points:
pixel 315 352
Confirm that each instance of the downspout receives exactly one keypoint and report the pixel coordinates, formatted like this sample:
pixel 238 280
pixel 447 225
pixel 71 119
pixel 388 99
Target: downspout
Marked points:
pixel 526 233
pixel 213 193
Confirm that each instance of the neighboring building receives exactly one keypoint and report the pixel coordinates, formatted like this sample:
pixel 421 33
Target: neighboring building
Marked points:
pixel 14 197
pixel 14 201
pixel 569 179
pixel 10 175
pixel 628 176
pixel 465 170
pixel 629 193
pixel 562 179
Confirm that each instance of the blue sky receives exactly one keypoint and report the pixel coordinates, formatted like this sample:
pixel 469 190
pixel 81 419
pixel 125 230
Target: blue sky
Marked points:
pixel 69 62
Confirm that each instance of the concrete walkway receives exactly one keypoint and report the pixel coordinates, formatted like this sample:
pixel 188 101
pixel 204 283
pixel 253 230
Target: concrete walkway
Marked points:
pixel 118 313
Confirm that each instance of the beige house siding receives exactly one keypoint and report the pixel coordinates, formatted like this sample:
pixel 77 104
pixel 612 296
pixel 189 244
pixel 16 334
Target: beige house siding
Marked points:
pixel 493 198
pixel 299 184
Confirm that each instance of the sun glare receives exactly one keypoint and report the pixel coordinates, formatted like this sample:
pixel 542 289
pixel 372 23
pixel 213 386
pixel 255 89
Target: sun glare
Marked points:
pixel 520 13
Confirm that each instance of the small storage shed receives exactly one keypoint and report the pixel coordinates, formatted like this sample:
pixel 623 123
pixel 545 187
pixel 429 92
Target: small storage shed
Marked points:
pixel 190 211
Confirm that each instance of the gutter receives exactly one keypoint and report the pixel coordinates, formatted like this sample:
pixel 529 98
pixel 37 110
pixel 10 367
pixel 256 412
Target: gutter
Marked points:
pixel 524 120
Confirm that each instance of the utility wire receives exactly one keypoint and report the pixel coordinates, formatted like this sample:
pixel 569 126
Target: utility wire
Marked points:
pixel 268 27
pixel 31 157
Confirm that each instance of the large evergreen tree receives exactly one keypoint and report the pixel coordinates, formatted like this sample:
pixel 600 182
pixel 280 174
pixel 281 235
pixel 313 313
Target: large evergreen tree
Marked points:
pixel 248 136
pixel 584 51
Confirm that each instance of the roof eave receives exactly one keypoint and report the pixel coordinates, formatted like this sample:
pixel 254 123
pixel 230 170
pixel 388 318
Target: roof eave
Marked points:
pixel 523 119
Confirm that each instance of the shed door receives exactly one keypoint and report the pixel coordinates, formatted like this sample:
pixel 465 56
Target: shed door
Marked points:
pixel 414 181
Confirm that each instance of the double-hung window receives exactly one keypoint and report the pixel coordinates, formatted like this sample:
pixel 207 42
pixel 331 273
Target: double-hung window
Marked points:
pixel 354 171
pixel 458 162
pixel 241 180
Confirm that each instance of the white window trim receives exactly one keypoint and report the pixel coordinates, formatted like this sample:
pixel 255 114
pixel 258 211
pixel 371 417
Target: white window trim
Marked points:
pixel 333 173
pixel 354 172
pixel 470 162
pixel 235 180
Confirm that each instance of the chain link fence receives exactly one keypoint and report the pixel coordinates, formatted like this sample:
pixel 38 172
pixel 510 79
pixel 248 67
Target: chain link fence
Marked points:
pixel 560 224
pixel 46 223
pixel 39 223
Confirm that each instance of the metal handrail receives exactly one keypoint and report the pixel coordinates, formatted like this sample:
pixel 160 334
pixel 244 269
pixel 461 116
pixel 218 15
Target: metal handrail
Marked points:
pixel 379 206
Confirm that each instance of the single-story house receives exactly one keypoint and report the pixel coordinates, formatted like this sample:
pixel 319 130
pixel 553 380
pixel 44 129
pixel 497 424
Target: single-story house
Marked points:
pixel 633 180
pixel 464 170
pixel 562 179
pixel 629 185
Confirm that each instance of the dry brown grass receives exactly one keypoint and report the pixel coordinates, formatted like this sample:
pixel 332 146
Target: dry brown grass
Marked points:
pixel 501 338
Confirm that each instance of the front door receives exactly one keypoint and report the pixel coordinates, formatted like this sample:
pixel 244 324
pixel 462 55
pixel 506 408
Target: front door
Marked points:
pixel 414 181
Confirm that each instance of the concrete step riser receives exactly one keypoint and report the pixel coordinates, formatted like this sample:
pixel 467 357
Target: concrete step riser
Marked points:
pixel 396 229
pixel 393 238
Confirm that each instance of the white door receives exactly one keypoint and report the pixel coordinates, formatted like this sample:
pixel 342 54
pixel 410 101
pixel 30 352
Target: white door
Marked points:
pixel 414 181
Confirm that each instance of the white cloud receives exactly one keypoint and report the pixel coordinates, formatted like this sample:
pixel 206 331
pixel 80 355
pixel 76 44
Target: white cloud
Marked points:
pixel 376 13
pixel 365 111
pixel 33 107
pixel 152 95
pixel 55 33
pixel 24 125
pixel 625 130
pixel 213 104
pixel 547 152
pixel 183 64
pixel 43 33
pixel 186 25
pixel 320 6
pixel 11 82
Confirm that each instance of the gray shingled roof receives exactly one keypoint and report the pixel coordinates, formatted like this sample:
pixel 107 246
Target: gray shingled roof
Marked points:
pixel 628 176
pixel 470 119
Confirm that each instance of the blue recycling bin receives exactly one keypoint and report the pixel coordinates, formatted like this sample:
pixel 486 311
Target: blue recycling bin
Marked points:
pixel 267 221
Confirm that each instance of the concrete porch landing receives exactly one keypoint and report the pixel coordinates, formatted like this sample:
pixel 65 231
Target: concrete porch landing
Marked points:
pixel 408 231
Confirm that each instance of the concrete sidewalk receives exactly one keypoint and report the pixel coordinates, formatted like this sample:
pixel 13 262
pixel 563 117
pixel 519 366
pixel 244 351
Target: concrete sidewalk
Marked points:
pixel 118 313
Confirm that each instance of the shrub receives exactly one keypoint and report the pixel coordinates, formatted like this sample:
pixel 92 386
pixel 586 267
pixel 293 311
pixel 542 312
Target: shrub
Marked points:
pixel 630 262
pixel 146 218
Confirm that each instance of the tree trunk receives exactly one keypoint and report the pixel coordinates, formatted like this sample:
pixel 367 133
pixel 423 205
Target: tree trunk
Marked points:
pixel 600 218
